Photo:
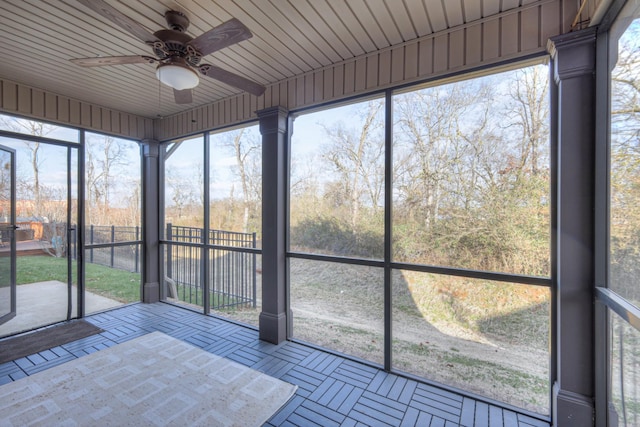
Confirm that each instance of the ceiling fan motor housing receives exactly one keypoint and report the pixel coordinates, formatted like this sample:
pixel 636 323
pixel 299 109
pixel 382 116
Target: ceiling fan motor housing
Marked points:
pixel 174 44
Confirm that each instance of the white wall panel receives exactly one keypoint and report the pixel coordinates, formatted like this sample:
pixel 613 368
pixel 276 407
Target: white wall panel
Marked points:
pixel 411 58
pixel 473 48
pixel 37 104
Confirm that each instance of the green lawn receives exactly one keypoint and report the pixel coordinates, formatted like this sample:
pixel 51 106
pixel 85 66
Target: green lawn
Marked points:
pixel 116 284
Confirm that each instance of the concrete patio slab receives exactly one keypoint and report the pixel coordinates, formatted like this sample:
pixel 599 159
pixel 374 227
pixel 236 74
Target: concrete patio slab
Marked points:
pixel 43 303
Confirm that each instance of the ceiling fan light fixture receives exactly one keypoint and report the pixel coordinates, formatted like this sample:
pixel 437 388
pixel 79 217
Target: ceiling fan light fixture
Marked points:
pixel 177 76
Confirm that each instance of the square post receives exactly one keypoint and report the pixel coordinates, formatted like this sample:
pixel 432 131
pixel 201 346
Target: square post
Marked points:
pixel 273 317
pixel 573 58
pixel 150 222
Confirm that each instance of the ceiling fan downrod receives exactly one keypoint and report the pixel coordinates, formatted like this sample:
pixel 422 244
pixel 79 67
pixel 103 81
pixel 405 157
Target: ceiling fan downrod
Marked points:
pixel 177 21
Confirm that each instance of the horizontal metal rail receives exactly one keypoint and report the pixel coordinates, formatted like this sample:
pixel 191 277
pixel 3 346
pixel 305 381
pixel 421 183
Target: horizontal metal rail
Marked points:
pixel 109 245
pixel 449 271
pixel 256 251
pixel 622 307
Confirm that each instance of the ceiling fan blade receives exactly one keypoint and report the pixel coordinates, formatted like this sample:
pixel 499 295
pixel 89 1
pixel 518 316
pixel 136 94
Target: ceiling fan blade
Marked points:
pixel 100 61
pixel 183 96
pixel 118 18
pixel 231 79
pixel 225 34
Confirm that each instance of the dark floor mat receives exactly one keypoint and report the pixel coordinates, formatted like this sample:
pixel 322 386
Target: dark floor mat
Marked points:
pixel 35 342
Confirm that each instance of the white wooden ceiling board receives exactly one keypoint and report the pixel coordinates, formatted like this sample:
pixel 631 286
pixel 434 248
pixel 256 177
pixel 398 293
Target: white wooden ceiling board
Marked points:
pixel 509 4
pixel 490 7
pixel 385 20
pixel 307 33
pixel 453 10
pixel 332 27
pixel 347 16
pixel 247 65
pixel 401 17
pixel 89 20
pixel 46 61
pixel 472 10
pixel 291 38
pixel 150 15
pixel 265 47
pixel 419 17
pixel 131 79
pixel 46 66
pixel 76 89
pixel 67 80
pixel 58 27
pixel 279 36
pixel 299 33
pixel 368 22
pixel 436 15
pixel 314 26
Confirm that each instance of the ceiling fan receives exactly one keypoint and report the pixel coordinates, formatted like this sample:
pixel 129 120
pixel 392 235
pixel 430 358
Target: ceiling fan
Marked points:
pixel 177 54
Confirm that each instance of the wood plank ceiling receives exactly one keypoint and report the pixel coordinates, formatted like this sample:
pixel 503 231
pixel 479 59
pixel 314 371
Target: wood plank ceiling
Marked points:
pixel 290 37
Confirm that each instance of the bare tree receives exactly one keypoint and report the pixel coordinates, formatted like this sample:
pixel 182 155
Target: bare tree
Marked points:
pixel 438 142
pixel 104 155
pixel 465 178
pixel 356 155
pixel 625 164
pixel 184 192
pixel 35 128
pixel 531 115
pixel 246 150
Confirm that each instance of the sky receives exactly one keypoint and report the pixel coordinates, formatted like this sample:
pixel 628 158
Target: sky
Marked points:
pixel 52 159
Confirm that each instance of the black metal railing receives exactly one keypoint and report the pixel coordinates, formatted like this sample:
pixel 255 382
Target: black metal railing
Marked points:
pixel 109 245
pixel 231 273
pixel 114 246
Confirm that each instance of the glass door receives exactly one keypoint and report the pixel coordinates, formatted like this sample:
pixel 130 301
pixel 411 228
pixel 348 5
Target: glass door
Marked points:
pixel 46 186
pixel 7 236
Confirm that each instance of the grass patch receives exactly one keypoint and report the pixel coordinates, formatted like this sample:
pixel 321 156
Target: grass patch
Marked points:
pixel 193 295
pixel 109 282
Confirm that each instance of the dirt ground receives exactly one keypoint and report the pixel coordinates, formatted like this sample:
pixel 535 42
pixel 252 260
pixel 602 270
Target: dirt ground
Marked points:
pixel 490 339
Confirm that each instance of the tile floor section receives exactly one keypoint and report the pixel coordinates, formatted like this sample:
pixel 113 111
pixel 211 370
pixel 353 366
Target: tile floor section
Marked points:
pixel 332 391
